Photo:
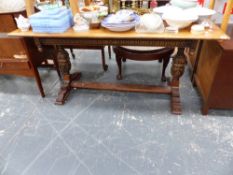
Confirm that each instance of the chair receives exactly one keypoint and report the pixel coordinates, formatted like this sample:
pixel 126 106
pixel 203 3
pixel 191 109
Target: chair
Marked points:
pixel 101 48
pixel 142 53
pixel 71 47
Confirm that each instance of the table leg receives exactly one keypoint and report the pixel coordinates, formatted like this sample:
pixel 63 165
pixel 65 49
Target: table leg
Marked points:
pixel 64 65
pixel 177 71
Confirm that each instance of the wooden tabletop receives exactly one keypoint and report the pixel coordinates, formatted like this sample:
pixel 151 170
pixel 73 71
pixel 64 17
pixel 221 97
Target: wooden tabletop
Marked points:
pixel 215 34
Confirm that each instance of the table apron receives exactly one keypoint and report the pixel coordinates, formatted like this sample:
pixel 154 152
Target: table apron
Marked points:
pixel 117 42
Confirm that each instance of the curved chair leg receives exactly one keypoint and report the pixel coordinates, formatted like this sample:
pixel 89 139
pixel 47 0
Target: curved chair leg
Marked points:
pixel 104 65
pixel 72 53
pixel 109 52
pixel 165 63
pixel 119 64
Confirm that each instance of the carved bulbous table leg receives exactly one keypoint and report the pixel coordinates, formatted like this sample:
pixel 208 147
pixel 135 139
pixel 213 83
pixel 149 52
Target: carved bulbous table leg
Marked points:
pixel 64 65
pixel 177 71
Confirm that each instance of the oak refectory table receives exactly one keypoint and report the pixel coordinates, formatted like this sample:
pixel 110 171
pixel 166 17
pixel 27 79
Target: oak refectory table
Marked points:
pixel 100 37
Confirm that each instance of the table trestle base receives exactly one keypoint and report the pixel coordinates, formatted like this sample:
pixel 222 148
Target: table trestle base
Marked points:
pixel 74 84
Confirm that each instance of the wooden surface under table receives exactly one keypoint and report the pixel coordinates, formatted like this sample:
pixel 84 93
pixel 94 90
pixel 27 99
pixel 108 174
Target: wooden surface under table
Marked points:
pixel 102 37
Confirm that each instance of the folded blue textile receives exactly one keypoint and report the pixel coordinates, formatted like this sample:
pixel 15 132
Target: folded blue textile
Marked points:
pixel 51 21
pixel 50 29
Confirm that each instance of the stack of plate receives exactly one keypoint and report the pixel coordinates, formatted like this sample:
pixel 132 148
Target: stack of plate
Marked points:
pixel 116 23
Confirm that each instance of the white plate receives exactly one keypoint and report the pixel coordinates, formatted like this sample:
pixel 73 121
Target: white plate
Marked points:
pixel 120 29
pixel 118 25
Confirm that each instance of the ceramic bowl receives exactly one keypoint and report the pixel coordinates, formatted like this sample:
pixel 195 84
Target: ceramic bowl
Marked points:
pixel 146 20
pixel 201 12
pixel 88 15
pixel 24 27
pixel 180 20
pixel 102 11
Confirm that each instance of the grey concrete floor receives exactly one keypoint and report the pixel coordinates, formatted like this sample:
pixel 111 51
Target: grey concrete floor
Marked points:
pixel 109 133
